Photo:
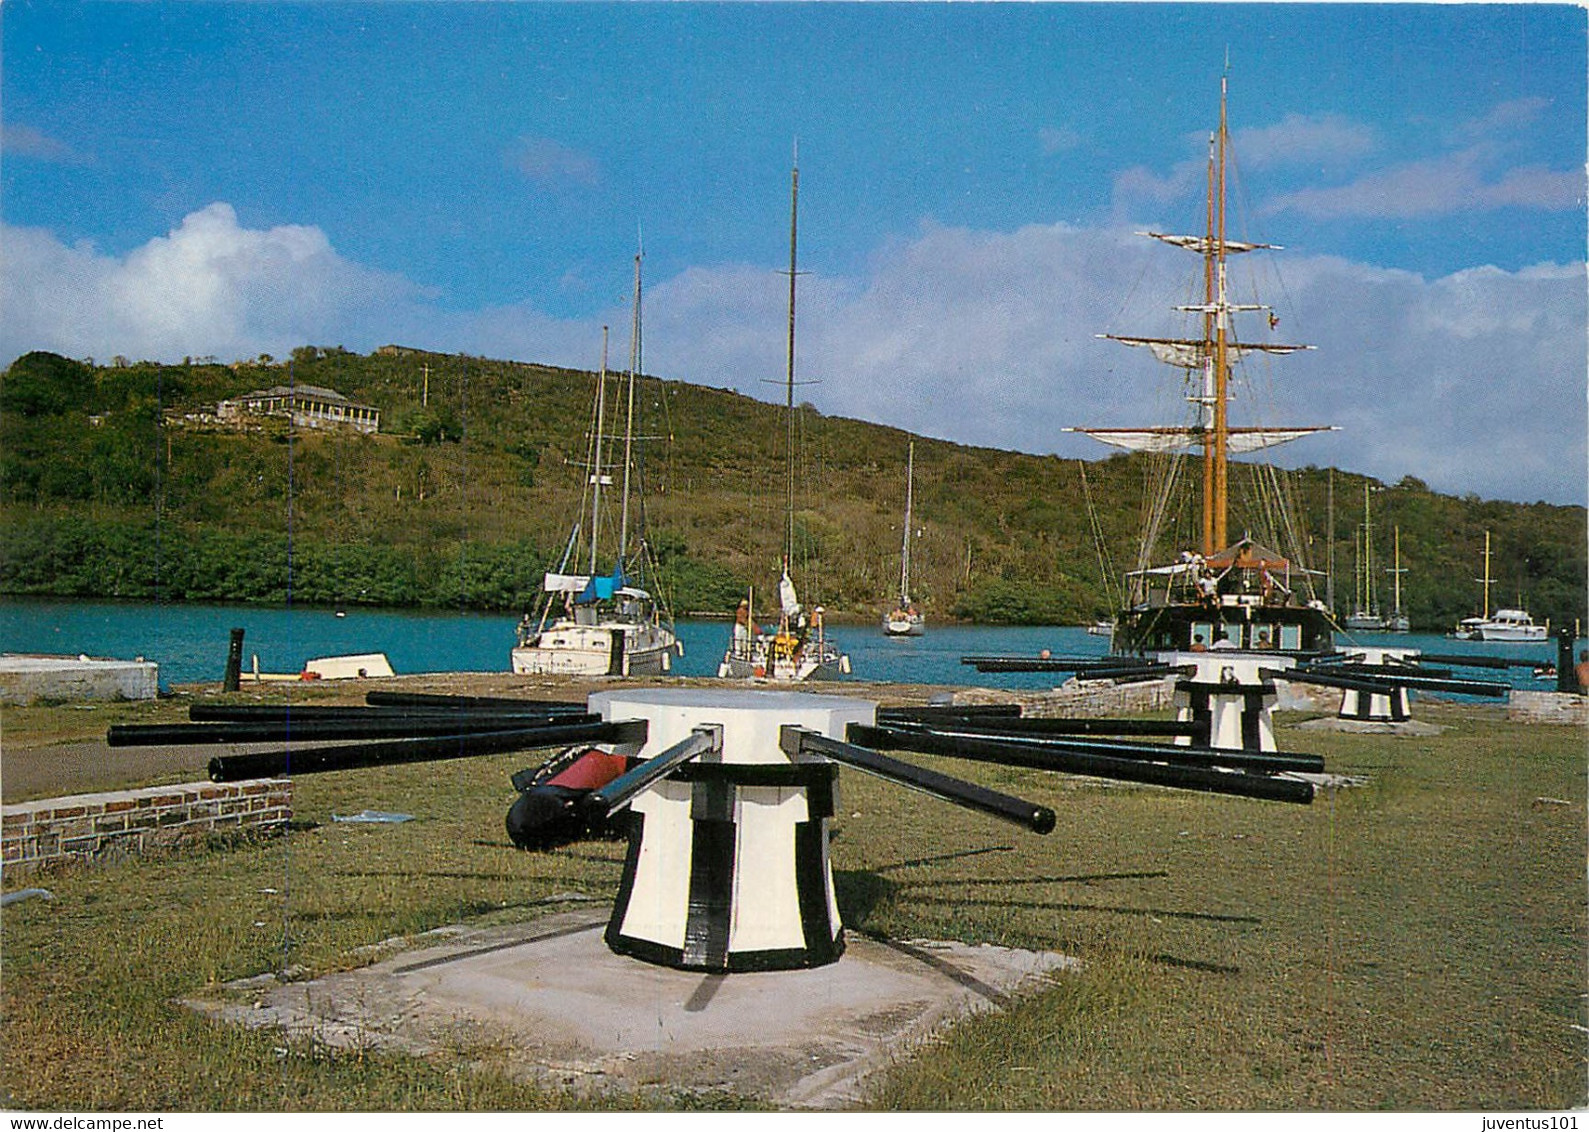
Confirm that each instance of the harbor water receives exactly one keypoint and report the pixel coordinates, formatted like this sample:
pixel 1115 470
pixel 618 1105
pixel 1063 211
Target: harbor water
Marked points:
pixel 189 642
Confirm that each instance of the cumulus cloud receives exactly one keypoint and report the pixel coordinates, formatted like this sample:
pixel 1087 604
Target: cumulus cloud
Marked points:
pixel 210 286
pixel 980 337
pixel 988 338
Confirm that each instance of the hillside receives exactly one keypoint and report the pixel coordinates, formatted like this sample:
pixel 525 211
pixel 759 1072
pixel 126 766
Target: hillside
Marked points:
pixel 468 493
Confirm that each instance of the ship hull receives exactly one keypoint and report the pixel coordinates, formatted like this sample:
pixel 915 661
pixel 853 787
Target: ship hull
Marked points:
pixel 597 650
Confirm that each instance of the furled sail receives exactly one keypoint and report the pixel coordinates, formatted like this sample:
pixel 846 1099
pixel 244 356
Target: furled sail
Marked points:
pixel 1193 353
pixel 1206 245
pixel 786 595
pixel 1184 438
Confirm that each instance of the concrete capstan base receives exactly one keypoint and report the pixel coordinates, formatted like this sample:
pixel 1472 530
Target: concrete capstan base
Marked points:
pixel 547 1001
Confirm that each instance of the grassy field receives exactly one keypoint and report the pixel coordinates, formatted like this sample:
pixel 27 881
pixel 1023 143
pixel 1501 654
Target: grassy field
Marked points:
pixel 1414 943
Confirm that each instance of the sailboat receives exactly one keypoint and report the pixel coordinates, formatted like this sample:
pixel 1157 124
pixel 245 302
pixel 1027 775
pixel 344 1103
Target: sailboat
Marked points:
pixel 1397 622
pixel 905 620
pixel 595 624
pixel 796 648
pixel 1365 616
pixel 1229 593
pixel 1509 625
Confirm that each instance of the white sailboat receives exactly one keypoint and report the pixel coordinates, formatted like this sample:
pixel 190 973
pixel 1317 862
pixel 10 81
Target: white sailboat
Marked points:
pixel 905 620
pixel 594 624
pixel 796 648
pixel 1397 621
pixel 1508 625
pixel 1365 615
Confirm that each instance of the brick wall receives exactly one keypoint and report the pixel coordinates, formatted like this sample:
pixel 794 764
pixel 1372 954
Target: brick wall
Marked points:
pixel 87 826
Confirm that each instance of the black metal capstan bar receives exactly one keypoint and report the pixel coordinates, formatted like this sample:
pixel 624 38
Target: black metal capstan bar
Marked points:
pixel 1480 661
pixel 1195 730
pixel 1384 685
pixel 797 742
pixel 1263 762
pixel 1392 670
pixel 1103 760
pixel 312 760
pixel 250 713
pixel 616 794
pixel 467 703
pixel 314 730
pixel 949 711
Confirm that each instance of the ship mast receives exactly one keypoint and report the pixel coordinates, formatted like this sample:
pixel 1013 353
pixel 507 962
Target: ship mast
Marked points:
pixel 628 432
pixel 789 381
pixel 1213 353
pixel 904 550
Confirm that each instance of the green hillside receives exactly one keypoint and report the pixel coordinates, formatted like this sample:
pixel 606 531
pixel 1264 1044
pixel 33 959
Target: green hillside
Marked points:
pixel 110 488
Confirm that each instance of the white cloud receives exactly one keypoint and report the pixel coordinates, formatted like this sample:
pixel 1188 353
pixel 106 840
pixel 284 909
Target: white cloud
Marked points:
pixel 1451 183
pixel 1472 382
pixel 550 162
pixel 1305 139
pixel 209 286
pixel 1057 139
pixel 24 141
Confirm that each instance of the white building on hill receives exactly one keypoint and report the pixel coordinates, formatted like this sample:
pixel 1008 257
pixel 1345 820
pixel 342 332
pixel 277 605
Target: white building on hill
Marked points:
pixel 307 406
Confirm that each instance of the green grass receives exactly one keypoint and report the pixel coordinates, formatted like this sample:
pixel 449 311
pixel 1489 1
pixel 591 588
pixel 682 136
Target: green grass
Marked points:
pixel 1417 943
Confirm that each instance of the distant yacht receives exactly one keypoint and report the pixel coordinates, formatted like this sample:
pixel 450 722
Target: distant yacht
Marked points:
pixel 594 624
pixel 905 620
pixel 797 648
pixel 1508 625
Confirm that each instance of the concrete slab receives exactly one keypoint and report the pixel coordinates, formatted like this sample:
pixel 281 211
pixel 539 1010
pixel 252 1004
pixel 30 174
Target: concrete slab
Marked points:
pixel 548 1001
pixel 1404 728
pixel 25 678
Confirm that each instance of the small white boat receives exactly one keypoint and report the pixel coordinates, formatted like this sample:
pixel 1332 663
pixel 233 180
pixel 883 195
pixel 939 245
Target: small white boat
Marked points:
pixel 1512 625
pixel 1103 627
pixel 797 647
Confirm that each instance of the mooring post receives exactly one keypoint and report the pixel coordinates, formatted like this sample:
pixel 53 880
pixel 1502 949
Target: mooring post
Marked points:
pixel 234 662
pixel 1566 673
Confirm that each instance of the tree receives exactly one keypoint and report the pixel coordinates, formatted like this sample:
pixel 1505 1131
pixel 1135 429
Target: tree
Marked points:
pixel 43 383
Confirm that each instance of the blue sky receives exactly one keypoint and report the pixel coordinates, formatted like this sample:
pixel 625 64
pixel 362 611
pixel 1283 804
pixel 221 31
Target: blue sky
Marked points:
pixel 230 179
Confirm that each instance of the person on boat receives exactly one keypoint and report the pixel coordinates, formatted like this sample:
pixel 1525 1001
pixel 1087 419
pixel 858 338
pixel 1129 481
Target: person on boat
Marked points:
pixel 1197 643
pixel 1208 589
pixel 1263 639
pixel 1221 641
pixel 742 623
pixel 1581 672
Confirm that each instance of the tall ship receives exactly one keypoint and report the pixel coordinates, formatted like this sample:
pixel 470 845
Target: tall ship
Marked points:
pixel 905 620
pixel 601 622
pixel 1230 592
pixel 796 646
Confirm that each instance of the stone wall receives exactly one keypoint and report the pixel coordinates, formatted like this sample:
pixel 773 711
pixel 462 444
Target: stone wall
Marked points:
pixel 1547 707
pixel 1081 699
pixel 90 826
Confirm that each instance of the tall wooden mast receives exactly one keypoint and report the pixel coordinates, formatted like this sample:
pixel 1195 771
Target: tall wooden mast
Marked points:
pixel 1221 350
pixel 789 382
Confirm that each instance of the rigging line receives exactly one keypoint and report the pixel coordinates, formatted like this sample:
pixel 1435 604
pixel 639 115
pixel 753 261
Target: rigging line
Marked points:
pixel 1105 566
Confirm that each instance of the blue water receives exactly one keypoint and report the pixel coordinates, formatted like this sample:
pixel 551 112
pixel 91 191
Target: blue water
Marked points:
pixel 190 642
